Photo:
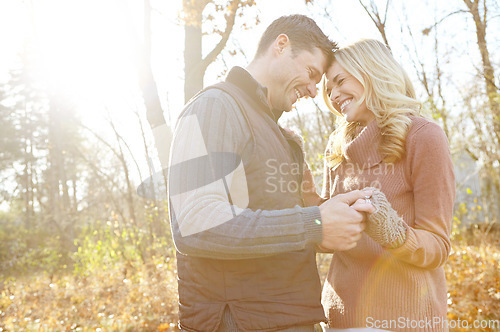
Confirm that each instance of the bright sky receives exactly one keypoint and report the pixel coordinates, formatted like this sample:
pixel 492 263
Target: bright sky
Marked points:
pixel 87 48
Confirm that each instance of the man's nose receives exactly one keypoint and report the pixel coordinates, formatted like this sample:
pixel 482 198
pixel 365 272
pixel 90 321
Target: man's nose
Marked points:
pixel 312 90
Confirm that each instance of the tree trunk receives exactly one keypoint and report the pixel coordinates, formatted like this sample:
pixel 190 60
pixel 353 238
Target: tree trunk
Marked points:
pixel 56 160
pixel 194 64
pixel 28 175
pixel 488 71
pixel 192 50
pixel 492 91
pixel 129 197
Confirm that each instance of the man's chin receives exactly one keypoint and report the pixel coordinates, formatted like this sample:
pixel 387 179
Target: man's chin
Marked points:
pixel 290 107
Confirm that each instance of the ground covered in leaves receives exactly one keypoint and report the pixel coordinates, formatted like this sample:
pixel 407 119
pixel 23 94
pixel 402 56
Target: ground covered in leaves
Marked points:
pixel 144 297
pixel 119 299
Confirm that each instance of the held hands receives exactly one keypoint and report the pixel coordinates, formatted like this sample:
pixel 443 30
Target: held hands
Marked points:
pixel 342 224
pixel 384 225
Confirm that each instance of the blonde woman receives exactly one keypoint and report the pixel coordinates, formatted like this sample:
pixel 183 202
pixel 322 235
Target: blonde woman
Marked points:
pixel 394 278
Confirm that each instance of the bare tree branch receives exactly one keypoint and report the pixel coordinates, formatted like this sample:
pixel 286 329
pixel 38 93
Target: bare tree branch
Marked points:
pixel 212 55
pixel 375 17
pixel 426 31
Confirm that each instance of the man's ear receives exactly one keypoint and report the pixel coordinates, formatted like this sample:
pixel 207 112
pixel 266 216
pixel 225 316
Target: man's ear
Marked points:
pixel 280 44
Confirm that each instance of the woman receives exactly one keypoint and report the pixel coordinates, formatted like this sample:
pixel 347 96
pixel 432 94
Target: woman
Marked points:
pixel 394 278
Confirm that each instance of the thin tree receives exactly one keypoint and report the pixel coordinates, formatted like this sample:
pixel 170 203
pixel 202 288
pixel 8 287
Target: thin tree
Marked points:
pixel 376 17
pixel 195 64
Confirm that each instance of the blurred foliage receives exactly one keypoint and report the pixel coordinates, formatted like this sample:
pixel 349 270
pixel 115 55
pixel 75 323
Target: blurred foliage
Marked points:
pixel 473 268
pixel 142 299
pixel 24 252
pixel 124 279
pixel 101 247
pixel 473 279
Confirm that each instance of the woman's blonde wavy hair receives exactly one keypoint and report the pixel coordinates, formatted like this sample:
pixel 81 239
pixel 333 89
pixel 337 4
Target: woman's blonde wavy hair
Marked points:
pixel 388 93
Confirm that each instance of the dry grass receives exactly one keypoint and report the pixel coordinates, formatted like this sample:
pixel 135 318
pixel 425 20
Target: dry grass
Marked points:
pixel 473 278
pixel 116 300
pixel 144 298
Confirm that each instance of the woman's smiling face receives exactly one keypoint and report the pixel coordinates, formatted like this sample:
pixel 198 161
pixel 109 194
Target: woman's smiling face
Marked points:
pixel 345 93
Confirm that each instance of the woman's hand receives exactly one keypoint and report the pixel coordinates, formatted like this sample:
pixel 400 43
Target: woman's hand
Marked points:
pixel 384 225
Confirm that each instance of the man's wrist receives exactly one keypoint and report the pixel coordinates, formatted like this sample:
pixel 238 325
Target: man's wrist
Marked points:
pixel 313 225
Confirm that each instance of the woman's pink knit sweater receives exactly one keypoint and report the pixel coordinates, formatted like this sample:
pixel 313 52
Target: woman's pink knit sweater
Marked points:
pixel 405 288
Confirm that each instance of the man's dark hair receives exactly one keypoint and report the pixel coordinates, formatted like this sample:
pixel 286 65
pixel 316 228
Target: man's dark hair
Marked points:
pixel 303 33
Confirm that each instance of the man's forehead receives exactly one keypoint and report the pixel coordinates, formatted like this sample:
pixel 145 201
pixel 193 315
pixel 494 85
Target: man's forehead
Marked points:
pixel 316 57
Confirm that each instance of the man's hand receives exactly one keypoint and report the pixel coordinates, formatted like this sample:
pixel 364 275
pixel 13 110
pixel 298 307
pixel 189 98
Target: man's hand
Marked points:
pixel 342 224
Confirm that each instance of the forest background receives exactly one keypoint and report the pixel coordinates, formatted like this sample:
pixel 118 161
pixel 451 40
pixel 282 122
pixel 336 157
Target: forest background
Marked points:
pixel 86 86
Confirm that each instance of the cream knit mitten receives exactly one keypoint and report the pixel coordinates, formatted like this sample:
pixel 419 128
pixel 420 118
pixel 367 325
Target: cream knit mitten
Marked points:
pixel 384 226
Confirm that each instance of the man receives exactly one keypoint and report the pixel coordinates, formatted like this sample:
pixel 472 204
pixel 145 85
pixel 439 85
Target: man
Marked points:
pixel 246 243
